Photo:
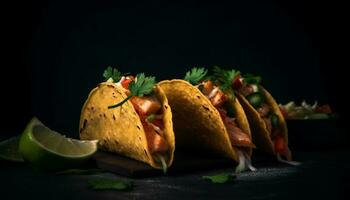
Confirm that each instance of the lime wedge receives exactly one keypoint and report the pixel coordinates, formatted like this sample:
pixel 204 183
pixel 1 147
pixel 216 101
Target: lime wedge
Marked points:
pixel 48 150
pixel 9 150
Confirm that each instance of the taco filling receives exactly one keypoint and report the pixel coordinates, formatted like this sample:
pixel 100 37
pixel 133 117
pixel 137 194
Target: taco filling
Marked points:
pixel 240 141
pixel 148 108
pixel 250 89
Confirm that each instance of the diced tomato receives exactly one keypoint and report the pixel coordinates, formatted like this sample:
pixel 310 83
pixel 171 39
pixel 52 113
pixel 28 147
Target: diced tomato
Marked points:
pixel 279 144
pixel 159 123
pixel 146 105
pixel 125 83
pixel 159 144
pixel 282 148
pixel 237 82
pixel 156 143
pixel 207 87
pixel 323 109
pixel 218 99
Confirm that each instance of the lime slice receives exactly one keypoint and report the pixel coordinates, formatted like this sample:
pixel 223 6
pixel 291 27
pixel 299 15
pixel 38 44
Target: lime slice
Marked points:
pixel 48 150
pixel 9 150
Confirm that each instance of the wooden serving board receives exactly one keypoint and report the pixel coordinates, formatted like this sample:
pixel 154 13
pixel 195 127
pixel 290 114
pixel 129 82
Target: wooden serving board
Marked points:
pixel 182 164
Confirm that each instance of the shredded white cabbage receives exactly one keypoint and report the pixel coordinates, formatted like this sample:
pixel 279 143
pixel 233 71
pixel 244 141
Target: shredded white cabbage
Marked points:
pixel 241 163
pixel 244 162
pixel 119 83
pixel 255 87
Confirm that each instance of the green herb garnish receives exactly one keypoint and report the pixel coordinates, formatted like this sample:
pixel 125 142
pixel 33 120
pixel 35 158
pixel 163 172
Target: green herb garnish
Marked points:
pixel 109 184
pixel 195 75
pixel 143 86
pixel 252 79
pixel 274 120
pixel 255 99
pixel 220 178
pixel 112 73
pixel 224 78
pixel 161 159
pixel 151 117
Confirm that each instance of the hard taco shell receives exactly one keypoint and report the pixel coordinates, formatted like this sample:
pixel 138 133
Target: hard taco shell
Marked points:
pixel 120 130
pixel 197 123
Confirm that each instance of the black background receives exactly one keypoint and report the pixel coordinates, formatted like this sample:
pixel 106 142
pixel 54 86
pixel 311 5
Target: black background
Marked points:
pixel 54 52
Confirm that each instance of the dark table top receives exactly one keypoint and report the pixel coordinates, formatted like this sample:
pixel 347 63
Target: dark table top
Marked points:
pixel 323 175
pixel 320 145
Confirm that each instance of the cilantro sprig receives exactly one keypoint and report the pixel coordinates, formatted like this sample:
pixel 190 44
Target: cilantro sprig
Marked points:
pixel 112 73
pixel 252 79
pixel 220 178
pixel 195 75
pixel 142 85
pixel 224 77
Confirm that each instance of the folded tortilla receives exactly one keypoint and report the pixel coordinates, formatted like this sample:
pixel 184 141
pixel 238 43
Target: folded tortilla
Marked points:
pixel 260 133
pixel 197 123
pixel 120 129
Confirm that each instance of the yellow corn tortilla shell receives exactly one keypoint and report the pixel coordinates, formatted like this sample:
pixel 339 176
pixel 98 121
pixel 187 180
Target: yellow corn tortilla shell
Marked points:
pixel 197 123
pixel 242 121
pixel 120 130
pixel 261 136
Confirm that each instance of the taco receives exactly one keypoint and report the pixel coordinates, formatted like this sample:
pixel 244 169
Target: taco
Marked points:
pixel 266 121
pixel 130 116
pixel 208 119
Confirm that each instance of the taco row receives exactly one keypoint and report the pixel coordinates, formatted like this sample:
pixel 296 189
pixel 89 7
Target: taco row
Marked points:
pixel 221 114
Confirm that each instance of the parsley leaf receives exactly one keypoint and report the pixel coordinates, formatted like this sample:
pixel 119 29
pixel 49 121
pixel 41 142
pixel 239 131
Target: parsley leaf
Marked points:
pixel 252 79
pixel 142 85
pixel 109 184
pixel 195 75
pixel 224 77
pixel 220 178
pixel 112 73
